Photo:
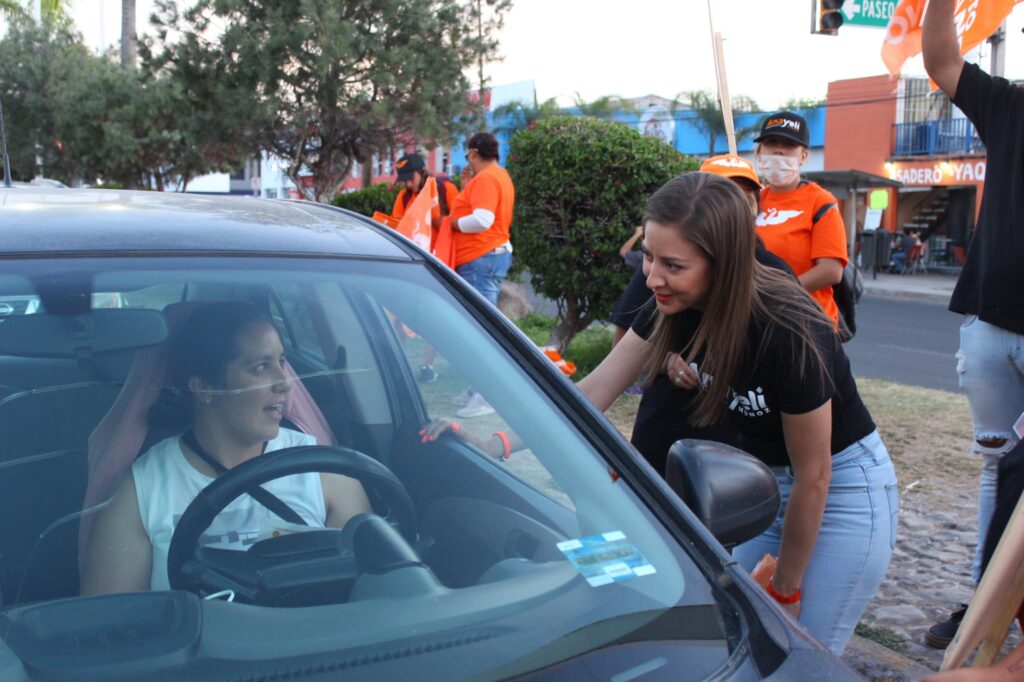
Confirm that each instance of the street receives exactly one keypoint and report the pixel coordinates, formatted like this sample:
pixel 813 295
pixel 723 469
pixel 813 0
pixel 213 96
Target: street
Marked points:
pixel 906 341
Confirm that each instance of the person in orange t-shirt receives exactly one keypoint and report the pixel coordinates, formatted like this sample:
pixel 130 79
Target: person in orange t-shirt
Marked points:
pixel 799 220
pixel 413 173
pixel 481 219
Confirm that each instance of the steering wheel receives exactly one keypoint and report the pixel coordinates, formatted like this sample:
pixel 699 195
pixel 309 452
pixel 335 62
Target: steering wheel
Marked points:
pixel 276 569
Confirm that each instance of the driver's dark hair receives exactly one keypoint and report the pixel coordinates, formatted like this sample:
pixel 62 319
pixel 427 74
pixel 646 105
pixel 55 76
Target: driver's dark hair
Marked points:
pixel 202 346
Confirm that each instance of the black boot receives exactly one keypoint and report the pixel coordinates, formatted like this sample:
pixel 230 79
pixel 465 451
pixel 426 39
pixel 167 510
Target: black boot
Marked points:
pixel 941 634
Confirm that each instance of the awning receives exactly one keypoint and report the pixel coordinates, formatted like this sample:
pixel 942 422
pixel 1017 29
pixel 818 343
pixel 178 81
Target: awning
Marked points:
pixel 850 179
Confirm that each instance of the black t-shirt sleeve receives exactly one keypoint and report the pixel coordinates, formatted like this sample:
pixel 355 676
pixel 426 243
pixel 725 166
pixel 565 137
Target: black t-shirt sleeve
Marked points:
pixel 801 394
pixel 770 260
pixel 643 323
pixel 982 98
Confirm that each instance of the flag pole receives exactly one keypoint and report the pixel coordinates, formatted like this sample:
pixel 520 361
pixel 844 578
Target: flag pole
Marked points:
pixel 724 101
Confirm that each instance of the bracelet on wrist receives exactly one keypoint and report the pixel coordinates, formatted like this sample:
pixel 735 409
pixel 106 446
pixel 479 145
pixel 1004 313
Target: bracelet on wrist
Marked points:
pixel 783 598
pixel 505 443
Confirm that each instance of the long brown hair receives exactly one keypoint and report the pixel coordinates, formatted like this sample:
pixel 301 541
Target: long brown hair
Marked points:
pixel 711 212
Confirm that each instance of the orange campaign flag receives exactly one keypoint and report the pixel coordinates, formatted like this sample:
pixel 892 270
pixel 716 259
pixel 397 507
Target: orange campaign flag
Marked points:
pixel 415 224
pixel 975 21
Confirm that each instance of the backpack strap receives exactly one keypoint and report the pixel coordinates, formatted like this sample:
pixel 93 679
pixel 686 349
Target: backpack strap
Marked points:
pixel 442 194
pixel 406 195
pixel 820 213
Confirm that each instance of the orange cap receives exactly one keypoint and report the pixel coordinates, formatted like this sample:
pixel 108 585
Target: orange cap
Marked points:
pixel 731 166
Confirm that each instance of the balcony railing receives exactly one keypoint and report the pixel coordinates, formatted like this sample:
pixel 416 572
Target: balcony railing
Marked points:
pixel 947 136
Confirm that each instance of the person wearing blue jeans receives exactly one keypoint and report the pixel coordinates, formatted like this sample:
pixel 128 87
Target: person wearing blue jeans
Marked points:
pixel 486 273
pixel 481 221
pixel 761 358
pixel 855 541
pixel 989 290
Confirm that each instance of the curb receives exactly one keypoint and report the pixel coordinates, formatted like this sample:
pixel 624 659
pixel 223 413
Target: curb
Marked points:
pixel 876 662
pixel 935 297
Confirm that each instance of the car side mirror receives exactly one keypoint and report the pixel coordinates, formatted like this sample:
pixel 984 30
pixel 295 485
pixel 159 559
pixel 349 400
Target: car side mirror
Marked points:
pixel 734 494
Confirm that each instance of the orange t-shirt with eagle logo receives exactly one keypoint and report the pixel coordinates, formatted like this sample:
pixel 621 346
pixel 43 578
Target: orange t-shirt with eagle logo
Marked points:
pixel 490 189
pixel 801 226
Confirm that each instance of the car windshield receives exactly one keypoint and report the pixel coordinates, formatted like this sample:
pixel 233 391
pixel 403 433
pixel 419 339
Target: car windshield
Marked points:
pixel 482 565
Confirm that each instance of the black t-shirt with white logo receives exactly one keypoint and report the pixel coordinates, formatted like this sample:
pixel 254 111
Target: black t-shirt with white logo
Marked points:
pixel 991 284
pixel 771 386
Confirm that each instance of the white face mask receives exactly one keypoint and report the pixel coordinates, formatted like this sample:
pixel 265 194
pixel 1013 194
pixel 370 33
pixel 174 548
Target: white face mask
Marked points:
pixel 779 171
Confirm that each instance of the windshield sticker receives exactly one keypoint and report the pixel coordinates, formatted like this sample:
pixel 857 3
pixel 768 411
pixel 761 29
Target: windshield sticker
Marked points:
pixel 606 558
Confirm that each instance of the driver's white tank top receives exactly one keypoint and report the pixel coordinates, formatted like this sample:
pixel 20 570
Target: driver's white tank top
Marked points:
pixel 166 483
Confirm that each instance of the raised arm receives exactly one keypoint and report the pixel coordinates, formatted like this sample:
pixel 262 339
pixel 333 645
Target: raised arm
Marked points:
pixel 940 48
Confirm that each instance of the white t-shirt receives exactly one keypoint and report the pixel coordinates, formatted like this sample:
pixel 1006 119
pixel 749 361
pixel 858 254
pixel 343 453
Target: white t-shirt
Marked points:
pixel 166 483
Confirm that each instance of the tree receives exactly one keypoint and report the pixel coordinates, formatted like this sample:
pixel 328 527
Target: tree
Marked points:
pixel 52 11
pixel 488 17
pixel 603 107
pixel 327 83
pixel 515 116
pixel 707 115
pixel 81 118
pixel 585 182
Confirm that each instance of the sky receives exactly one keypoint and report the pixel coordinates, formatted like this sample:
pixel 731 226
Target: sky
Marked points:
pixel 661 47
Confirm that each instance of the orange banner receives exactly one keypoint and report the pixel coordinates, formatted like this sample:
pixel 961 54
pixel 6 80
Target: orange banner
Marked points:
pixel 415 224
pixel 975 21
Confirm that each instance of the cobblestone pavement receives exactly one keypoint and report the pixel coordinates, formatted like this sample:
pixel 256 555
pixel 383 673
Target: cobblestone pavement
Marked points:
pixel 930 572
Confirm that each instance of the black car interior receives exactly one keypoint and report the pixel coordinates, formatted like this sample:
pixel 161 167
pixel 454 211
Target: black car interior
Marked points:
pixel 63 372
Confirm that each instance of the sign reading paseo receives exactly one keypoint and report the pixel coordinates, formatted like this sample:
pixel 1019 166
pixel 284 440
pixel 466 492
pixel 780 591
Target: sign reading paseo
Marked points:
pixel 956 172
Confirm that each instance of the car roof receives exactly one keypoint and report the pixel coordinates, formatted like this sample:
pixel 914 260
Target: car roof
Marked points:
pixel 44 221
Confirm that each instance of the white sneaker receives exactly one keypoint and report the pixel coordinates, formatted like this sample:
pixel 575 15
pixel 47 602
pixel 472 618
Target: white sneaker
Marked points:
pixel 463 397
pixel 476 407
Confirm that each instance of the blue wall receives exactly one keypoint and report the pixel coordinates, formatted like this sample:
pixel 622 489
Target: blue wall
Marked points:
pixel 688 138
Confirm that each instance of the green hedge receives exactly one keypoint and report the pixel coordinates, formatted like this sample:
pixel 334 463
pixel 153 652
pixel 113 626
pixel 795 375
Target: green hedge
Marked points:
pixel 581 185
pixel 373 198
pixel 586 350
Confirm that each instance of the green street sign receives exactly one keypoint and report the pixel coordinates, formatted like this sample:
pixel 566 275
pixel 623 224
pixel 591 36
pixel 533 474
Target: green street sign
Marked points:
pixel 868 12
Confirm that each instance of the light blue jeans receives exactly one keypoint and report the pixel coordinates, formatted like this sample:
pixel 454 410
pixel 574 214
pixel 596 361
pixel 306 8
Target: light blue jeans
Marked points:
pixel 851 555
pixel 486 273
pixel 990 365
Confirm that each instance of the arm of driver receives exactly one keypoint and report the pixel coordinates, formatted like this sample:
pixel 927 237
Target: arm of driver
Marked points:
pixel 119 556
pixel 617 371
pixel 809 442
pixel 940 48
pixel 344 497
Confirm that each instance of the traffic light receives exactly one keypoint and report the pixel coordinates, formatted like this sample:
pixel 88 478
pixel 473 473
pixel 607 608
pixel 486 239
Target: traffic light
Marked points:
pixel 829 17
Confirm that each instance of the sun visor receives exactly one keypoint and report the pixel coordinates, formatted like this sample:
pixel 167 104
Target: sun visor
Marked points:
pixel 75 336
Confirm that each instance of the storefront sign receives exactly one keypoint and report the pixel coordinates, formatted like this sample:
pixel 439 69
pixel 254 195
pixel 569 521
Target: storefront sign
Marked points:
pixel 956 172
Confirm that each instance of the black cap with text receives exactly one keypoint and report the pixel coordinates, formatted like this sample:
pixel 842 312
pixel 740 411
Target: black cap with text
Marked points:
pixel 788 125
pixel 409 164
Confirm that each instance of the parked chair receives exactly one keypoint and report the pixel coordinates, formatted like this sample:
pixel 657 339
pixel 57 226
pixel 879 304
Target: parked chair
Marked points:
pixel 916 259
pixel 959 255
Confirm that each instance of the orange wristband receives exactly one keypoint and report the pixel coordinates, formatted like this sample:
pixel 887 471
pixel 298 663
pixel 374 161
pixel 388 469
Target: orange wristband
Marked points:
pixel 781 598
pixel 503 437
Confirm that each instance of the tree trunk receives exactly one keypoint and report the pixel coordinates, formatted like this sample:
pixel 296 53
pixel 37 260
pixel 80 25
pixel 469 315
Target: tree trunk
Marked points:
pixel 128 41
pixel 570 323
pixel 367 168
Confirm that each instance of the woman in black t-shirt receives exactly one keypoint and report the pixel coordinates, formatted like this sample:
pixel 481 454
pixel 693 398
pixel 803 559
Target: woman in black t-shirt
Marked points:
pixel 768 363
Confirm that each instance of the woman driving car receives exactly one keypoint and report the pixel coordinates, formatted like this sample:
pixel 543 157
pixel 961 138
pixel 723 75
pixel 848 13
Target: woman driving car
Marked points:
pixel 227 396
